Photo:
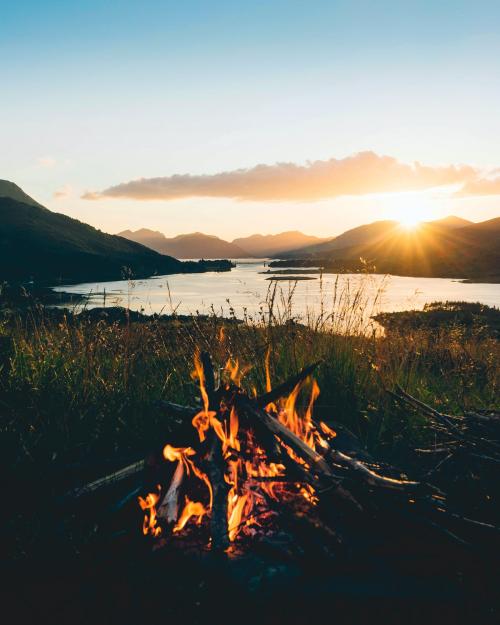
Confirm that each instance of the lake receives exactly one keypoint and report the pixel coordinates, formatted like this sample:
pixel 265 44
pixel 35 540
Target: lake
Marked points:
pixel 245 288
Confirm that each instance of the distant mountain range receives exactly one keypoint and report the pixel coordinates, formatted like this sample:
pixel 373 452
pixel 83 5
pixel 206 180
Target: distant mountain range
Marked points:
pixel 447 248
pixel 49 247
pixel 199 245
pixel 368 234
pixel 37 244
pixel 264 246
pixel 194 245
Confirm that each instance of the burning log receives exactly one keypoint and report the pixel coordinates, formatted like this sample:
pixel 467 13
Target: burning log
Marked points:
pixel 169 507
pixel 219 519
pixel 315 462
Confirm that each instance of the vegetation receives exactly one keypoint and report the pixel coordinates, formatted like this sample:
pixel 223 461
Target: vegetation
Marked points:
pixel 83 386
pixel 472 319
pixel 37 244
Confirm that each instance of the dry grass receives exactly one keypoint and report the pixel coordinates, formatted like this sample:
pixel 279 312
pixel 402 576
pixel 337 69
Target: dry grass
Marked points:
pixel 76 389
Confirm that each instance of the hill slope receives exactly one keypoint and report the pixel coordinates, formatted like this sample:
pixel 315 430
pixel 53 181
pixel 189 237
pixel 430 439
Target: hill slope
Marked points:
pixel 432 250
pixel 367 234
pixel 36 243
pixel 194 245
pixel 11 190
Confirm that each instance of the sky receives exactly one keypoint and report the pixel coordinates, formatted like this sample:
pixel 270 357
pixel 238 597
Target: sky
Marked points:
pixel 236 117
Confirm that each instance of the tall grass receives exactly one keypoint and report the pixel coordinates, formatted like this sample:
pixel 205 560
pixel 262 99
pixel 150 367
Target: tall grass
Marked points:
pixel 77 389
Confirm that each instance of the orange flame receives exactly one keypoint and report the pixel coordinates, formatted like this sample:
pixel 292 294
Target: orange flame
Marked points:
pixel 236 505
pixel 148 504
pixel 268 371
pixel 326 430
pixel 191 508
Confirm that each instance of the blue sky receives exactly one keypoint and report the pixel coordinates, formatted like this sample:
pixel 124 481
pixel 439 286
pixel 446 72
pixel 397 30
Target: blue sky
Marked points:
pixel 100 93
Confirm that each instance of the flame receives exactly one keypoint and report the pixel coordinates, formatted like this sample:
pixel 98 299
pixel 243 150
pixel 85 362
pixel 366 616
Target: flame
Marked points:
pixel 233 430
pixel 148 504
pixel 268 371
pixel 326 430
pixel 177 453
pixel 199 374
pixel 236 373
pixel 182 454
pixel 236 505
pixel 191 508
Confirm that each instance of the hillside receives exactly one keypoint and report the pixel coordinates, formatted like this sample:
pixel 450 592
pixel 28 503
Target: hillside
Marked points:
pixel 10 189
pixel 471 252
pixel 452 222
pixel 193 245
pixel 356 236
pixel 37 244
pixel 367 234
pixel 263 246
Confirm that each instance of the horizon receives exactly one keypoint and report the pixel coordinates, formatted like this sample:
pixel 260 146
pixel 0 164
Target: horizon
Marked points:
pixel 315 118
pixel 410 226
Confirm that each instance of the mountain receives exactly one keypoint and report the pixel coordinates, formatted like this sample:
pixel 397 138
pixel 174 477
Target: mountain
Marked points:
pixel 263 246
pixel 432 250
pixel 199 245
pixel 194 245
pixel 452 222
pixel 356 236
pixel 11 190
pixel 38 244
pixel 368 234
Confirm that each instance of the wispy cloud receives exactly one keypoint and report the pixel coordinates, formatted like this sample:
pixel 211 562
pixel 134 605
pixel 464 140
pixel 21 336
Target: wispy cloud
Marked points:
pixel 63 192
pixel 359 174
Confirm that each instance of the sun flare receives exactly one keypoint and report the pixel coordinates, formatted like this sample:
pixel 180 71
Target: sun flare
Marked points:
pixel 410 222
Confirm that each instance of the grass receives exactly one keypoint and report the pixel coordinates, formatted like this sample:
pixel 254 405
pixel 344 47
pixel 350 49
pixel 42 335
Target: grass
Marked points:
pixel 79 389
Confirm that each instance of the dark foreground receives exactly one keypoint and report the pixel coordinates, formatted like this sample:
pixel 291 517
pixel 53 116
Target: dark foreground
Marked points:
pixel 79 399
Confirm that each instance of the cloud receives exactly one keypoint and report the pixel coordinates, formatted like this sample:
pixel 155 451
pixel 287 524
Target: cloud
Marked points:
pixel 480 186
pixel 46 161
pixel 63 193
pixel 359 174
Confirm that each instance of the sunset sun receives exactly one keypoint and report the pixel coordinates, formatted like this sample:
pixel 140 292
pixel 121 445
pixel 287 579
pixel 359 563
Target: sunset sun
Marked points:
pixel 410 221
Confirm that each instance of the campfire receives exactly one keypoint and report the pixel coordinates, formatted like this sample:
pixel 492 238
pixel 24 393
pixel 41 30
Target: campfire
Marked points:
pixel 246 458
pixel 240 468
pixel 236 469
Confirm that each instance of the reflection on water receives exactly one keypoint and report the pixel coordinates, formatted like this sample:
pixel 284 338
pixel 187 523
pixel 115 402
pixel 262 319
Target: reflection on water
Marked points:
pixel 245 289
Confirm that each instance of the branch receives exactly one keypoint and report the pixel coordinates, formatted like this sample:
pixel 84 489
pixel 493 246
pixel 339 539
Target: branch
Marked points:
pixel 287 387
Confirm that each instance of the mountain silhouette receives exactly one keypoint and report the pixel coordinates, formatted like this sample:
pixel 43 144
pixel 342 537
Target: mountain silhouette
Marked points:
pixel 194 245
pixel 38 244
pixel 263 246
pixel 444 248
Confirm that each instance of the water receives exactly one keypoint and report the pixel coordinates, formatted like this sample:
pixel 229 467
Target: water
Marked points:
pixel 245 289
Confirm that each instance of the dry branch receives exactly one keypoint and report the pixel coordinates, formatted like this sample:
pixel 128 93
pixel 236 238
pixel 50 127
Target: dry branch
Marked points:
pixel 108 480
pixel 287 387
